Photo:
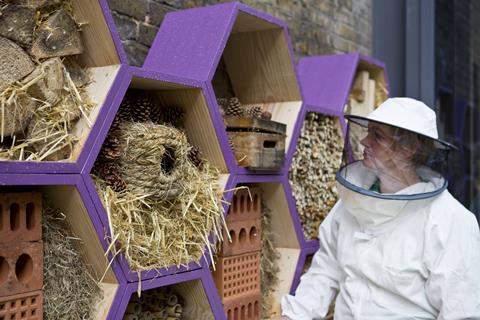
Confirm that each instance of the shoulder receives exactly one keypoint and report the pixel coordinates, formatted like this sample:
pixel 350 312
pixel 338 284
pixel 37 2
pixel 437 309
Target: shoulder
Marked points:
pixel 447 218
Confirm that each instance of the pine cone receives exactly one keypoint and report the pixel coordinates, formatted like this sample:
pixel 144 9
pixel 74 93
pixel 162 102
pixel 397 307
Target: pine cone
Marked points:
pixel 137 106
pixel 111 175
pixel 253 111
pixel 234 107
pixel 223 105
pixel 195 156
pixel 173 116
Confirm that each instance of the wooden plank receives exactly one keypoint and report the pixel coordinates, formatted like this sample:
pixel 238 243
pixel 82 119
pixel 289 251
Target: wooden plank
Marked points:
pixel 255 123
pixel 67 199
pixel 98 89
pixel 282 224
pixel 150 84
pixel 103 306
pixel 196 305
pixel 246 23
pixel 260 67
pixel 198 122
pixel 99 49
pixel 288 264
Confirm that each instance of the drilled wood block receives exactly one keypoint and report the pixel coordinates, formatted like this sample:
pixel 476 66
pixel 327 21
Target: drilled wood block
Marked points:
pixel 246 205
pixel 243 307
pixel 25 306
pixel 238 275
pixel 245 237
pixel 20 217
pixel 21 267
pixel 258 150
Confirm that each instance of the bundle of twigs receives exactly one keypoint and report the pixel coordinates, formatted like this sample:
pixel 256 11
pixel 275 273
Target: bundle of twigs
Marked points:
pixel 70 291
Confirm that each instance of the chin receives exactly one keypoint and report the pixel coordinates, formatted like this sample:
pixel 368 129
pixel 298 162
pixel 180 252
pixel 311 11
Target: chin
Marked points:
pixel 367 163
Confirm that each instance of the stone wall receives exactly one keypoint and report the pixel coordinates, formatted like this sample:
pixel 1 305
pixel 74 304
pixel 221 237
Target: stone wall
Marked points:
pixel 315 26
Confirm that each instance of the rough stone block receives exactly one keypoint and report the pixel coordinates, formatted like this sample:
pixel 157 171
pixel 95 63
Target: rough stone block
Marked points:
pixel 134 8
pixel 126 26
pixel 157 12
pixel 14 63
pixel 17 24
pixel 146 33
pixel 136 53
pixel 58 36
pixel 50 84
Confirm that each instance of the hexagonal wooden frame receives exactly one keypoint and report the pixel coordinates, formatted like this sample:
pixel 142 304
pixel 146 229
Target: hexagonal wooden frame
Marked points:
pixel 257 53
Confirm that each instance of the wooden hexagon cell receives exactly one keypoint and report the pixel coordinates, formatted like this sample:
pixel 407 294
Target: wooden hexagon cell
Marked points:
pixel 77 91
pixel 282 227
pixel 238 52
pixel 189 295
pixel 167 94
pixel 328 83
pixel 316 159
pixel 70 203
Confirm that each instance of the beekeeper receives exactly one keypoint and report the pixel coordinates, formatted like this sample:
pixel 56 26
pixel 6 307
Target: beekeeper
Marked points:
pixel 396 245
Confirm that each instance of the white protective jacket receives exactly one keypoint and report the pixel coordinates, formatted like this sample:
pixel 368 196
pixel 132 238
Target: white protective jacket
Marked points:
pixel 393 259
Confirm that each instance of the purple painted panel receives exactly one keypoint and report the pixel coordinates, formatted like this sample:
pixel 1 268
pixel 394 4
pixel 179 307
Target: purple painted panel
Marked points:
pixel 117 303
pixel 326 80
pixel 190 42
pixel 200 274
pixel 120 264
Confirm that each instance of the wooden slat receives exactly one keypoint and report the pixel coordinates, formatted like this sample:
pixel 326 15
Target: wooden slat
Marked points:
pixel 196 306
pixel 149 84
pixel 377 74
pixel 288 263
pixel 67 199
pixel 103 306
pixel 99 49
pixel 282 225
pixel 102 80
pixel 246 22
pixel 260 67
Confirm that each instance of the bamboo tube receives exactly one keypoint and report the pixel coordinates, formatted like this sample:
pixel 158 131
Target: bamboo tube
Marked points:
pixel 134 308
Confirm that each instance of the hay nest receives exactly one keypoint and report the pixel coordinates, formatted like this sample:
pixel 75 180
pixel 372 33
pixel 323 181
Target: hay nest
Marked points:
pixel 269 263
pixel 69 290
pixel 154 159
pixel 152 229
pixel 49 133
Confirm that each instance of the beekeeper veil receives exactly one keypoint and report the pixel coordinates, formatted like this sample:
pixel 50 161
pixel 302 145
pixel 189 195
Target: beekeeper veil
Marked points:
pixel 394 152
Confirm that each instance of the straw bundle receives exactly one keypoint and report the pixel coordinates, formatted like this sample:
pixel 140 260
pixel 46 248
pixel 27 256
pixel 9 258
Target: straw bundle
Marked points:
pixel 70 291
pixel 150 227
pixel 154 160
pixel 269 263
pixel 48 136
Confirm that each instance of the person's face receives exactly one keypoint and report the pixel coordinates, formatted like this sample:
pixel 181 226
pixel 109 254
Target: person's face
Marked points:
pixel 379 152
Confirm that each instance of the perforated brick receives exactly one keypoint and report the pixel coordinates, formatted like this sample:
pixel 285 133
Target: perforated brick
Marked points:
pixel 20 217
pixel 238 275
pixel 244 207
pixel 246 307
pixel 245 237
pixel 25 306
pixel 21 267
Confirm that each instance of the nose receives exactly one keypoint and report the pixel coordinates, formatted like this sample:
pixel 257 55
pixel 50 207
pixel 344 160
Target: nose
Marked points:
pixel 365 141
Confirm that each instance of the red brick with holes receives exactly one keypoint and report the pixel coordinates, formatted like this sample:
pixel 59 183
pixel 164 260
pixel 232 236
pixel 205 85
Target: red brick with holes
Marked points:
pixel 245 236
pixel 21 267
pixel 20 217
pixel 25 306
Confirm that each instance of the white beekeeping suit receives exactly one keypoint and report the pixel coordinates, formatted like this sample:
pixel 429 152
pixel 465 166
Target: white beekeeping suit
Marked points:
pixel 397 245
